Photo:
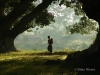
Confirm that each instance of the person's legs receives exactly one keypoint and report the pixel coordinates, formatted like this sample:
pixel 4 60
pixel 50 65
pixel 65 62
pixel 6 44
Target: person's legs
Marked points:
pixel 50 48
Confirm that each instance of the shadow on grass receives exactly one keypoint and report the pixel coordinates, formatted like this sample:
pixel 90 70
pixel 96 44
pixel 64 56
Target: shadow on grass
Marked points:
pixel 73 65
pixel 31 66
pixel 83 63
pixel 78 64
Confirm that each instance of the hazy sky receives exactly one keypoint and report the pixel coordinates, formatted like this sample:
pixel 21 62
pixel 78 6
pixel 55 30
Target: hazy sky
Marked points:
pixel 63 17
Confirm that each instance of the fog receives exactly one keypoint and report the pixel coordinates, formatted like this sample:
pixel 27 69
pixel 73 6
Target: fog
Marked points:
pixel 37 39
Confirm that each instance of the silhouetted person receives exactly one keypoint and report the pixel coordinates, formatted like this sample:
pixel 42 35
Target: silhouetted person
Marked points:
pixel 50 42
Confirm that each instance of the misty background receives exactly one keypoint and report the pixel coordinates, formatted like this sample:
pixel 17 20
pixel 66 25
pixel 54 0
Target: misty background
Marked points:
pixel 37 39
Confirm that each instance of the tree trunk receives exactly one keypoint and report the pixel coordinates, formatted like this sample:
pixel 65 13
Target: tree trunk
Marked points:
pixel 93 50
pixel 87 58
pixel 7 45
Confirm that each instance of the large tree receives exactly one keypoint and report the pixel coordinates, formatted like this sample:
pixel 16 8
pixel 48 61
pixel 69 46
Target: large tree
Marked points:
pixel 16 15
pixel 89 57
pixel 91 8
pixel 15 18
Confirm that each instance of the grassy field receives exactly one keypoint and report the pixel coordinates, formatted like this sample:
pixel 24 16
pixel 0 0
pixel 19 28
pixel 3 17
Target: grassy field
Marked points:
pixel 35 63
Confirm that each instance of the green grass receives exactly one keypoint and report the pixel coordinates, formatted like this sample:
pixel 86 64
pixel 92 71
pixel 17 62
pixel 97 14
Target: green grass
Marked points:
pixel 32 63
pixel 36 63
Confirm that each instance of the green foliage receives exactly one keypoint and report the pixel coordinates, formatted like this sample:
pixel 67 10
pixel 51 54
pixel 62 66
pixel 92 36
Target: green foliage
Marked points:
pixel 93 38
pixel 8 3
pixel 73 4
pixel 84 26
pixel 44 18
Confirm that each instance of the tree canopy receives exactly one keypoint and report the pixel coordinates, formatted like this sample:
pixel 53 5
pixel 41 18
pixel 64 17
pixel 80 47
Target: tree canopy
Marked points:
pixel 16 16
pixel 84 26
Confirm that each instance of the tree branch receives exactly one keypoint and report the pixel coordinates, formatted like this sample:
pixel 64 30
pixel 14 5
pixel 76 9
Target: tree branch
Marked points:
pixel 28 18
pixel 14 15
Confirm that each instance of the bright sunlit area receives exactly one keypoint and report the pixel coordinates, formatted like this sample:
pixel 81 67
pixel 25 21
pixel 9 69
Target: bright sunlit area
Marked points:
pixel 49 37
pixel 62 40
